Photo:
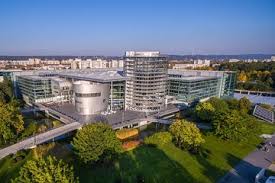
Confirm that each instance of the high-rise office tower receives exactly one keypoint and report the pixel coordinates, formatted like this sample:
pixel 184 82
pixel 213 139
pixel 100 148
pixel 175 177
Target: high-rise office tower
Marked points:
pixel 146 83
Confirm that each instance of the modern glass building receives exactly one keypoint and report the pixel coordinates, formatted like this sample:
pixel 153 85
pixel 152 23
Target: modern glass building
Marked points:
pixel 146 84
pixel 191 85
pixel 35 89
pixel 191 89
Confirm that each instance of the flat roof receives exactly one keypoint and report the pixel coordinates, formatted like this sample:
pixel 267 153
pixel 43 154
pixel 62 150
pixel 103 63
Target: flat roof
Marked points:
pixel 179 71
pixel 95 75
pixel 195 78
pixel 35 77
pixel 118 119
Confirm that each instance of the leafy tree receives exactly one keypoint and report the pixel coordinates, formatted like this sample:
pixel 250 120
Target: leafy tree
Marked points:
pixel 96 142
pixel 186 135
pixel 11 121
pixel 159 138
pixel 205 111
pixel 6 91
pixel 29 130
pixel 48 170
pixel 244 105
pixel 242 77
pixel 218 104
pixel 233 104
pixel 229 125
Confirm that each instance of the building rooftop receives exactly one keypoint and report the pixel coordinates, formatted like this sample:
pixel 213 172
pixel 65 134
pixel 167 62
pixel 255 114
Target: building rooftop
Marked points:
pixel 35 77
pixel 95 75
pixel 195 78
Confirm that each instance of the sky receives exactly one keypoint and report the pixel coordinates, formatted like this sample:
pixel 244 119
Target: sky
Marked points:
pixel 110 27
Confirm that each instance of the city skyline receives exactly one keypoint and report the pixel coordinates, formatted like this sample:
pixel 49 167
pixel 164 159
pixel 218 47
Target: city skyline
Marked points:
pixel 108 28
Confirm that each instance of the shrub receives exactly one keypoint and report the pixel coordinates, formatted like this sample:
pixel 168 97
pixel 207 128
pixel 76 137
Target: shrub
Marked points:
pixel 159 138
pixel 126 133
pixel 130 145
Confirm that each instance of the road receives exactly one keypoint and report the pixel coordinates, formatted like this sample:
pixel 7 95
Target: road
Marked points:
pixel 248 168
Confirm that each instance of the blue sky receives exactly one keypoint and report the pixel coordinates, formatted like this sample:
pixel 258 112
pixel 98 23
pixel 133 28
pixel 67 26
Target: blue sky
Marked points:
pixel 102 27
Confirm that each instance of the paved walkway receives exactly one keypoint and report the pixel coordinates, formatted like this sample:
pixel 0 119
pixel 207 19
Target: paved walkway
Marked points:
pixel 38 139
pixel 248 168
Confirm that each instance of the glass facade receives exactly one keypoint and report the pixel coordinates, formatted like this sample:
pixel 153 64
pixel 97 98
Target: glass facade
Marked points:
pixel 190 89
pixel 147 82
pixel 117 95
pixel 35 89
pixel 229 83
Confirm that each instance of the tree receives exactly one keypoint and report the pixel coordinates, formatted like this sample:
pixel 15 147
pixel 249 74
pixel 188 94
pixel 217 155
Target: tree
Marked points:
pixel 159 138
pixel 48 170
pixel 242 77
pixel 186 135
pixel 11 121
pixel 218 104
pixel 244 105
pixel 96 142
pixel 233 104
pixel 230 125
pixel 205 111
pixel 6 91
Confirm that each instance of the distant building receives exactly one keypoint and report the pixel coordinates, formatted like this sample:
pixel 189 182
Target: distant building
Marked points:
pixel 196 64
pixel 273 58
pixel 233 60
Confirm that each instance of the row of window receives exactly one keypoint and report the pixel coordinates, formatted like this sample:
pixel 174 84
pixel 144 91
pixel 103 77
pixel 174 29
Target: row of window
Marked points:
pixel 88 94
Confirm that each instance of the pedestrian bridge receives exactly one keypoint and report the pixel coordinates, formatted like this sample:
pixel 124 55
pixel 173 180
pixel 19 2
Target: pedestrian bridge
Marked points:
pixel 39 139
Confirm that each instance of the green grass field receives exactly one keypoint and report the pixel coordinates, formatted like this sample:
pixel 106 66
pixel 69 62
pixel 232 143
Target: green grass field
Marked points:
pixel 164 164
pixel 171 164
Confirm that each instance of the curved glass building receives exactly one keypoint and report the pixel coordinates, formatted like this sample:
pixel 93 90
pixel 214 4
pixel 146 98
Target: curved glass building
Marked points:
pixel 147 74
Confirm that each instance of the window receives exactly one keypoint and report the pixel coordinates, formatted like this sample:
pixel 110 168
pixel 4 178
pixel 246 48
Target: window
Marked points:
pixel 87 94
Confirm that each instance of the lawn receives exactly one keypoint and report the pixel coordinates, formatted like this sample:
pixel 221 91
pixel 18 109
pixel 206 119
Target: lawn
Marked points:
pixel 171 164
pixel 164 164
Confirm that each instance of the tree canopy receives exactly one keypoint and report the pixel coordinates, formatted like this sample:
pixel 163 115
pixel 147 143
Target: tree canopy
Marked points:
pixel 186 135
pixel 205 111
pixel 6 91
pixel 48 170
pixel 253 76
pixel 233 125
pixel 11 121
pixel 96 142
pixel 244 105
